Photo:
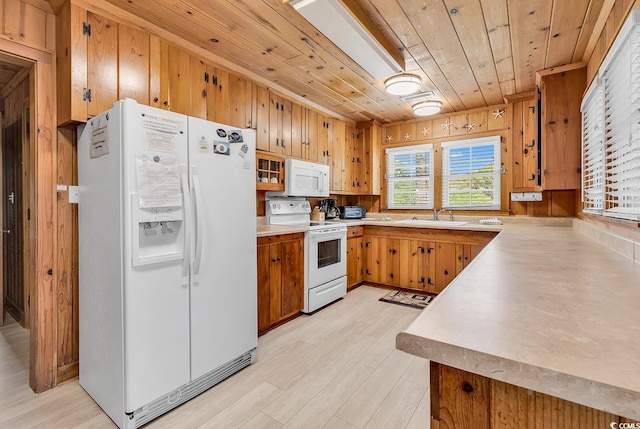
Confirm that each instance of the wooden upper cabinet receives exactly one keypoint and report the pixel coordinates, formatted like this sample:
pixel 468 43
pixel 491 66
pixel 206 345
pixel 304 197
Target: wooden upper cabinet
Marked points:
pixel 324 138
pixel 198 88
pixel 297 131
pixel 179 80
pixel 87 63
pixel 242 102
pixel 337 157
pixel 158 73
pixel 561 132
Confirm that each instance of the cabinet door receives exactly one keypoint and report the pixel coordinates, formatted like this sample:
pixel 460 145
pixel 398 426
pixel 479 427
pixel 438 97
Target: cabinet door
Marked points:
pixel 292 278
pixel 323 139
pixel 297 132
pixel 240 97
pixel 353 254
pixel 285 133
pixel 562 129
pixel 376 259
pixel 393 261
pixel 262 119
pixel 102 64
pixel 264 287
pixel 198 88
pixel 410 257
pixel 275 123
pixel 275 282
pixel 337 156
pixel 443 265
pixel 311 140
pixel 217 95
pixel 179 80
pixel 133 64
pixel 525 146
pixel 391 134
pixel 158 73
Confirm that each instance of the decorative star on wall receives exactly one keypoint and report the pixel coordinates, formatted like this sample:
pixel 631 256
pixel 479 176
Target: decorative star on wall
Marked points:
pixel 407 137
pixel 425 131
pixel 389 139
pixel 498 113
pixel 470 127
pixel 446 125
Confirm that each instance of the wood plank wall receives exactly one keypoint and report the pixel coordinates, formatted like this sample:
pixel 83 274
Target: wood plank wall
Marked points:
pixel 27 35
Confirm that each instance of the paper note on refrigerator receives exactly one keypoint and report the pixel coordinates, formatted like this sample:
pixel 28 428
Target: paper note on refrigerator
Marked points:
pixel 158 181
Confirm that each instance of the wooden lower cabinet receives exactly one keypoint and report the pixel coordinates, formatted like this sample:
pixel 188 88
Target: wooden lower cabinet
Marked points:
pixel 462 400
pixel 355 257
pixel 280 279
pixel 419 258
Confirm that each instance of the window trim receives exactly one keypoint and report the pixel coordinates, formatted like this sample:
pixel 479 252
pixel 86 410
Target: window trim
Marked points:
pixel 497 172
pixel 427 147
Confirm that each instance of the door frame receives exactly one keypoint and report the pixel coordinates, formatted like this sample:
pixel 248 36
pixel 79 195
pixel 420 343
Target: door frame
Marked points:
pixel 42 225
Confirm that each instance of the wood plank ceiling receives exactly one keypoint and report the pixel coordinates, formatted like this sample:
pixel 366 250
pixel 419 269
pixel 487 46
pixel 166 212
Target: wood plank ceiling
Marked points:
pixel 471 53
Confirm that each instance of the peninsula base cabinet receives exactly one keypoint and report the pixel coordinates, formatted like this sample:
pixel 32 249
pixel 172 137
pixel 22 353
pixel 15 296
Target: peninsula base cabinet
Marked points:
pixel 419 258
pixel 461 399
pixel 280 279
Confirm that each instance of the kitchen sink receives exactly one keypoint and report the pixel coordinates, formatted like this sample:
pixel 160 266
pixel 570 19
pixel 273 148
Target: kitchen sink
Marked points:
pixel 427 222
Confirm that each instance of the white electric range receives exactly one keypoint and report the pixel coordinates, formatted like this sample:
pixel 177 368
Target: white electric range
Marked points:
pixel 325 251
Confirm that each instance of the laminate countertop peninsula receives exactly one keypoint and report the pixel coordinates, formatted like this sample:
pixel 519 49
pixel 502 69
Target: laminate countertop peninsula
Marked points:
pixel 546 308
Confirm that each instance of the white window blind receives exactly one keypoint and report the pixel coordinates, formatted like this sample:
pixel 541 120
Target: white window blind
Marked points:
pixel 410 177
pixel 621 78
pixel 593 148
pixel 471 173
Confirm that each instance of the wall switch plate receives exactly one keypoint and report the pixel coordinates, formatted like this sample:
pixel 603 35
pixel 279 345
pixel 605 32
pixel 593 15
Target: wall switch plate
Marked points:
pixel 73 194
pixel 526 196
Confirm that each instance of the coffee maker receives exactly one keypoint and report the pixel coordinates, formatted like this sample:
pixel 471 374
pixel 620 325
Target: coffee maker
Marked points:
pixel 329 207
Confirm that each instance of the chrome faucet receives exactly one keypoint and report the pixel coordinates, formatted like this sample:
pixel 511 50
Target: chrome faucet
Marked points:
pixel 436 213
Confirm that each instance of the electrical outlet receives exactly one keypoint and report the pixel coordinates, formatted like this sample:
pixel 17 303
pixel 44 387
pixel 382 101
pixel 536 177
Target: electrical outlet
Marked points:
pixel 526 196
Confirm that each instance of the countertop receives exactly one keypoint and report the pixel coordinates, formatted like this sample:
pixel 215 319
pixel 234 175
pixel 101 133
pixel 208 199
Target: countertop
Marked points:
pixel 545 308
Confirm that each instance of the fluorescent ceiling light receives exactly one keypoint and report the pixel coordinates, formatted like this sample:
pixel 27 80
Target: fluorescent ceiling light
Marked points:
pixel 348 27
pixel 403 84
pixel 426 108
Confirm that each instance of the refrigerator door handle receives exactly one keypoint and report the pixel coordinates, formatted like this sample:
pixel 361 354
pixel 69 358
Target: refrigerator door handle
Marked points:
pixel 187 224
pixel 199 235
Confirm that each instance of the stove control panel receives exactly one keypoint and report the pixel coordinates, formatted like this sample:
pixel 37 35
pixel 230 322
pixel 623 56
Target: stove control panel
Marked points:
pixel 287 207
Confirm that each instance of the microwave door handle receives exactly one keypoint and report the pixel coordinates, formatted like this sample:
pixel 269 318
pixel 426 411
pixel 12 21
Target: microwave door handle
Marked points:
pixel 199 235
pixel 186 192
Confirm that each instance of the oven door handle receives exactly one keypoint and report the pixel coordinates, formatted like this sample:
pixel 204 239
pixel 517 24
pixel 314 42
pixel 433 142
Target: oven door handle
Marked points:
pixel 338 234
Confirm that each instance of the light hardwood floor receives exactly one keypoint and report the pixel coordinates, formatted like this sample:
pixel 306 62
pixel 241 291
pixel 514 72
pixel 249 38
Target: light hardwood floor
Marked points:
pixel 336 369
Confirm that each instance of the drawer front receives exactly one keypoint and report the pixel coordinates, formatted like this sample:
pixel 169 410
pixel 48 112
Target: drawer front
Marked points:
pixel 354 231
pixel 325 294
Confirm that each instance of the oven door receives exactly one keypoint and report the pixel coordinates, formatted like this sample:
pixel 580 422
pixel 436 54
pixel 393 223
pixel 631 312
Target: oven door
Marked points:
pixel 326 256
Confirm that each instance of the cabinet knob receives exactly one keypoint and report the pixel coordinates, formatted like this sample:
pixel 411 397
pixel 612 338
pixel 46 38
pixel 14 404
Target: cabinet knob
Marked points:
pixel 467 387
pixel 166 103
pixel 446 273
pixel 155 99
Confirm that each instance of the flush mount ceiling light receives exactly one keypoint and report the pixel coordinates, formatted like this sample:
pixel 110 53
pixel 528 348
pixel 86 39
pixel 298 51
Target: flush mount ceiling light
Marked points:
pixel 348 26
pixel 403 84
pixel 426 108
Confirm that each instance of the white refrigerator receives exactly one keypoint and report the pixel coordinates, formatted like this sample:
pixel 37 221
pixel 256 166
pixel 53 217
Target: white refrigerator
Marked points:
pixel 167 245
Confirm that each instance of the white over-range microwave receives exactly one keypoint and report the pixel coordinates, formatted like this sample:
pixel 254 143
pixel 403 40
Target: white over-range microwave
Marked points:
pixel 304 179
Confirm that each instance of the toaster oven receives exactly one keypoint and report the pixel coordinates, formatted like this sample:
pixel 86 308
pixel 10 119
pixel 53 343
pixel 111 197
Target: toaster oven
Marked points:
pixel 352 212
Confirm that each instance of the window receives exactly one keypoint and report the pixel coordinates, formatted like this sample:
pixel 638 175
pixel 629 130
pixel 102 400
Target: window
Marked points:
pixel 410 177
pixel 471 173
pixel 593 149
pixel 611 133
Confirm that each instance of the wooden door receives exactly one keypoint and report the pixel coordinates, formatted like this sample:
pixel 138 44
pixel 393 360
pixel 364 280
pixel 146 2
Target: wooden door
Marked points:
pixel 443 265
pixel 241 99
pixel 285 111
pixel 409 258
pixel 133 64
pixel 297 131
pixel 393 261
pixel 158 73
pixel 275 282
pixel 376 259
pixel 179 80
pixel 352 261
pixel 264 287
pixel 13 263
pixel 275 123
pixel 292 279
pixel 262 118
pixel 198 88
pixel 337 154
pixel 311 125
pixel 322 129
pixel 102 64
